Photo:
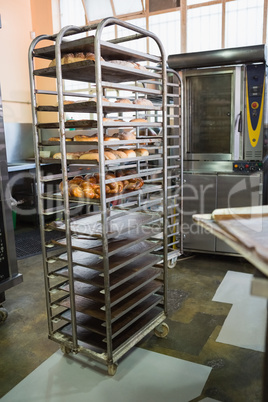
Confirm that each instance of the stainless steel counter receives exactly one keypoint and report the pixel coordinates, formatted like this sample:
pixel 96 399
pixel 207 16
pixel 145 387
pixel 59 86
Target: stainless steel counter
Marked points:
pixel 18 166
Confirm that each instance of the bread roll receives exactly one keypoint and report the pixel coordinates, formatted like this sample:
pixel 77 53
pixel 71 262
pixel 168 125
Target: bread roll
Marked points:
pixel 109 155
pixel 138 121
pixel 108 138
pixel 143 101
pixel 95 99
pixel 91 56
pixel 139 67
pixel 76 180
pixel 122 63
pixel 141 152
pixel 119 154
pixel 123 101
pixel 75 191
pixel 129 152
pixel 90 156
pixel 127 136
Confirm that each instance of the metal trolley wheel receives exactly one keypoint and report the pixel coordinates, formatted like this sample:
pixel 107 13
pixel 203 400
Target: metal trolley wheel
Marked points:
pixel 162 330
pixel 112 368
pixel 65 349
pixel 3 314
pixel 172 262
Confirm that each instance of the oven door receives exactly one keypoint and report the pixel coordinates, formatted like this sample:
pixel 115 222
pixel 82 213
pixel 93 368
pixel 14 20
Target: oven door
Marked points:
pixel 213 113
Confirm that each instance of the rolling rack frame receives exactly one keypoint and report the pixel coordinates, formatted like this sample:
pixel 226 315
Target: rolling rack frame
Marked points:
pixel 56 282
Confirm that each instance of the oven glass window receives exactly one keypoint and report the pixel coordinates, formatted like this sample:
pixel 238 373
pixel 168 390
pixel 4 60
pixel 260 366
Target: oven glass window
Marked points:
pixel 209 113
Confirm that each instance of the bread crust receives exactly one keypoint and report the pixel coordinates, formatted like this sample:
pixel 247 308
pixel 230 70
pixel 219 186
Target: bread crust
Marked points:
pixel 85 138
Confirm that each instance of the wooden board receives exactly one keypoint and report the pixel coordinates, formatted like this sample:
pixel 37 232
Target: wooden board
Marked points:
pixel 242 212
pixel 247 235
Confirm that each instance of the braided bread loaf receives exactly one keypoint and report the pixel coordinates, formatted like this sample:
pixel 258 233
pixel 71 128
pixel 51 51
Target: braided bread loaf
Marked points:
pixel 89 187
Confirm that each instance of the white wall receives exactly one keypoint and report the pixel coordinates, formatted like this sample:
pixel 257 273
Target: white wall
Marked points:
pixel 15 40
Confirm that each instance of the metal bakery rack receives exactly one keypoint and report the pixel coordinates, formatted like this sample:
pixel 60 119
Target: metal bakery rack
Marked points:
pixel 106 271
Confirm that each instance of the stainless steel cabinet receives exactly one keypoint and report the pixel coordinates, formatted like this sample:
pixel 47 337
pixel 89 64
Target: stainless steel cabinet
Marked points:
pixel 205 192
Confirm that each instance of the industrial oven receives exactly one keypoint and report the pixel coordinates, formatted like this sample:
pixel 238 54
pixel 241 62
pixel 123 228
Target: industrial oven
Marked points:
pixel 225 142
pixel 9 275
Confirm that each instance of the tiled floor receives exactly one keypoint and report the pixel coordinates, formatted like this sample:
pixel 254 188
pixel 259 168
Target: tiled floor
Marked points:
pixel 230 373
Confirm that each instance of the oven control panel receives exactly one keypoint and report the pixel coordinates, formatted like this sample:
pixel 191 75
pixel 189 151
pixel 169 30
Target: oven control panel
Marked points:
pixel 247 166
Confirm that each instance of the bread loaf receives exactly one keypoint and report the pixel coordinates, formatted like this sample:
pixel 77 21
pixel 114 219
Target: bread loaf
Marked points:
pixel 138 121
pixel 85 138
pixel 88 187
pixel 127 136
pixel 123 101
pixel 122 63
pixel 143 101
pixel 141 152
pixel 74 57
pixel 69 155
pixel 129 152
pixel 55 139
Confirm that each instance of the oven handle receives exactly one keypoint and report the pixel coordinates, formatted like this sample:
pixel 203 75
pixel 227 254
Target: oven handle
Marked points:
pixel 239 127
pixel 237 130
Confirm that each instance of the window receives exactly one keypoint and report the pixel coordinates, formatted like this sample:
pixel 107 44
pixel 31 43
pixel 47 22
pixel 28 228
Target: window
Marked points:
pixel 244 23
pixel 137 44
pixel 167 28
pixel 204 28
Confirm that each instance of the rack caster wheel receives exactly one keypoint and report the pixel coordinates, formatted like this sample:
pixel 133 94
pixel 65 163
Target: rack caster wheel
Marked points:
pixel 3 314
pixel 65 349
pixel 162 330
pixel 112 368
pixel 172 263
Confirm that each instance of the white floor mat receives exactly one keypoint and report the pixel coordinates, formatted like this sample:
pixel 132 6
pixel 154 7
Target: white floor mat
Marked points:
pixel 245 324
pixel 142 375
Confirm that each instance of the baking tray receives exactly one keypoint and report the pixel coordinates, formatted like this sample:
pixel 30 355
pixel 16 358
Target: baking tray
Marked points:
pixel 91 107
pixel 116 262
pixel 117 295
pixel 146 189
pixel 130 238
pixel 109 50
pixel 96 310
pixel 107 162
pixel 94 124
pixel 85 71
pixel 91 224
pixel 95 325
pixel 110 144
pixel 117 278
pixel 137 327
